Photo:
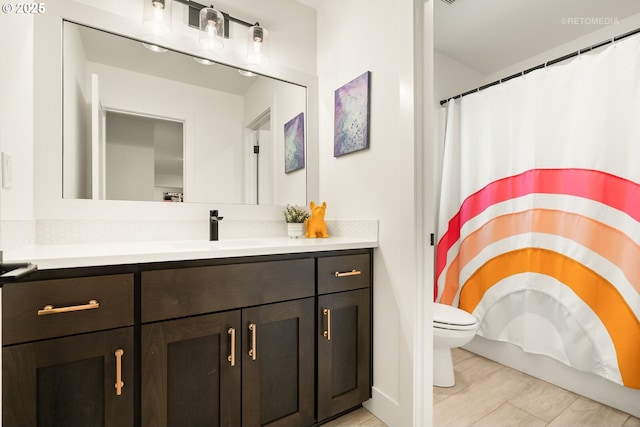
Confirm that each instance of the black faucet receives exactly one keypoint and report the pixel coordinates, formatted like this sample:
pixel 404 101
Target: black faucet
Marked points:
pixel 213 224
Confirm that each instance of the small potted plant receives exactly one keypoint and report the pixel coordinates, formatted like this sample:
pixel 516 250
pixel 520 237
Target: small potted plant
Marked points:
pixel 295 217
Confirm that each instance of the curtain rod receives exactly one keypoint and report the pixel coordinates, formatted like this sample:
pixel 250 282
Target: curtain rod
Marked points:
pixel 543 65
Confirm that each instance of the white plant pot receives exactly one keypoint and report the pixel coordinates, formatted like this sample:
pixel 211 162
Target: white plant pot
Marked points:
pixel 295 230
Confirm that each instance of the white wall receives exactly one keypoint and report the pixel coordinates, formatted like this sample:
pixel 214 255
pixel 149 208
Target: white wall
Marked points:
pixel 16 112
pixel 377 36
pixel 453 78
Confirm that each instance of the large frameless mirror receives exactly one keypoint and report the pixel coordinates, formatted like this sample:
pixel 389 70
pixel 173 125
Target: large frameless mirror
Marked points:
pixel 148 124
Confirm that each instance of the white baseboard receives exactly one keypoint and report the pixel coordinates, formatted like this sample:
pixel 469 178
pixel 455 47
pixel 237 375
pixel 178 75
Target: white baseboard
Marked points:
pixel 383 407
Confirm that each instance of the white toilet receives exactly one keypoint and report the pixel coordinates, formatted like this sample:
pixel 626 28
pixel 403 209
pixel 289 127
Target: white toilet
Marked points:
pixel 452 327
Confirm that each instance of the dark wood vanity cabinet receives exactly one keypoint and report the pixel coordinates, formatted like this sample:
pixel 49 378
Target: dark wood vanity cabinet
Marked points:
pixel 278 360
pixel 68 353
pixel 191 371
pixel 344 333
pixel 278 341
pixel 251 364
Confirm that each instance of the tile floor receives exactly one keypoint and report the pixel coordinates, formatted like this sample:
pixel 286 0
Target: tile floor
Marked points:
pixel 358 418
pixel 516 399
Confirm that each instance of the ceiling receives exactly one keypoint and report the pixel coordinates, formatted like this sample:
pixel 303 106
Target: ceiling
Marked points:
pixel 490 35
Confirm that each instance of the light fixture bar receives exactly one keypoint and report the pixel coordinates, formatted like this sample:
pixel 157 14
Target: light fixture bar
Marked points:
pixel 194 17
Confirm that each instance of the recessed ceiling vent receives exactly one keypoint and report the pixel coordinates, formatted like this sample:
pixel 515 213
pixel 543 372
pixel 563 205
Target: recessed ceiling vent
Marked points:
pixel 449 1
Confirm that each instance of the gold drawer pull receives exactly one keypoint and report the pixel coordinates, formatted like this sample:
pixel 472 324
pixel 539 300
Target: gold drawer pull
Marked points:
pixel 348 273
pixel 253 351
pixel 119 382
pixel 327 332
pixel 232 357
pixel 49 309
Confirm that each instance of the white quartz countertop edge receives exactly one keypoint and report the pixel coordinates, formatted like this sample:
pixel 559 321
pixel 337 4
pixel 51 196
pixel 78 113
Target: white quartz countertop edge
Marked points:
pixel 100 254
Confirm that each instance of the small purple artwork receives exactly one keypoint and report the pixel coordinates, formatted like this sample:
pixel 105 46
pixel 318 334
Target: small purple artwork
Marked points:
pixel 351 119
pixel 294 144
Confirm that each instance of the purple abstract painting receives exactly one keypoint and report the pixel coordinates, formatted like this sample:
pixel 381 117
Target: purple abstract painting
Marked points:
pixel 351 121
pixel 294 144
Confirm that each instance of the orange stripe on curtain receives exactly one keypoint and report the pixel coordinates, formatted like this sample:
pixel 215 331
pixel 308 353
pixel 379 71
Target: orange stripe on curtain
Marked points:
pixel 603 298
pixel 601 238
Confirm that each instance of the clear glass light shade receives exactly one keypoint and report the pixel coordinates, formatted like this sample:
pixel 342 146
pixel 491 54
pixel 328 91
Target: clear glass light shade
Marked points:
pixel 211 28
pixel 258 45
pixel 157 16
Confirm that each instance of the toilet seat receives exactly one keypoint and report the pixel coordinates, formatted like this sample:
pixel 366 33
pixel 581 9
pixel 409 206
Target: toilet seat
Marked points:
pixel 452 318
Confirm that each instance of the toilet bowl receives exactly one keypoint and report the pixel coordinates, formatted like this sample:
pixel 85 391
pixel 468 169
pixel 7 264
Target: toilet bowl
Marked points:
pixel 452 327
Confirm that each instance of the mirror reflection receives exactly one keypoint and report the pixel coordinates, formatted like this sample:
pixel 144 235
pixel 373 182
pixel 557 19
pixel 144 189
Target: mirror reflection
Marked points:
pixel 156 125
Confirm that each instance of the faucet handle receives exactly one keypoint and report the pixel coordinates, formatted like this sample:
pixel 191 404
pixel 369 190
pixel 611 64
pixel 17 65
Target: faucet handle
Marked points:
pixel 214 214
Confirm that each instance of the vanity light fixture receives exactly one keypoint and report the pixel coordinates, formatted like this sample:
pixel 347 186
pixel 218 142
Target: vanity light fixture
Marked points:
pixel 214 26
pixel 157 16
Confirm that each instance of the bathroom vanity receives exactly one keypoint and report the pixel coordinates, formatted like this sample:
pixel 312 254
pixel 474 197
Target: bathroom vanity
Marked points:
pixel 281 337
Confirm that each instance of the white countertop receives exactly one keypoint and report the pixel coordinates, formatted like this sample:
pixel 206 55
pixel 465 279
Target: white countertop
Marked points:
pixel 96 254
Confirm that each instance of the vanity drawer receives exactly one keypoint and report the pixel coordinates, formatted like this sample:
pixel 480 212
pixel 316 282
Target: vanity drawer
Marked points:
pixel 187 291
pixel 343 273
pixel 24 317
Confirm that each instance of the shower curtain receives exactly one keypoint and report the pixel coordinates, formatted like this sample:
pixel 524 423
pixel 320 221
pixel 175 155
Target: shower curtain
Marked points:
pixel 539 216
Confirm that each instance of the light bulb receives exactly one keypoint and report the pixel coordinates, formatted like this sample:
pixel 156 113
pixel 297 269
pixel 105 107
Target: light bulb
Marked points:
pixel 212 30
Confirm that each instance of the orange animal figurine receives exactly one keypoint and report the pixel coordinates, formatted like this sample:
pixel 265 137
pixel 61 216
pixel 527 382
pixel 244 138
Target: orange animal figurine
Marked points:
pixel 316 227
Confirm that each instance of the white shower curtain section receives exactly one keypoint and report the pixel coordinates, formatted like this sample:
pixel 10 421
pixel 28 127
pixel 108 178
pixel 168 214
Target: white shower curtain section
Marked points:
pixel 539 216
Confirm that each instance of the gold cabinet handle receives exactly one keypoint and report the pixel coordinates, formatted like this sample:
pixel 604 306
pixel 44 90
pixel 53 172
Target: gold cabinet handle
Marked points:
pixel 348 273
pixel 327 332
pixel 49 309
pixel 253 351
pixel 232 357
pixel 119 382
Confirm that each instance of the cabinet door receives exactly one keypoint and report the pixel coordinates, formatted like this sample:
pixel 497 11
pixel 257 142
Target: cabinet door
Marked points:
pixel 278 364
pixel 344 351
pixel 191 371
pixel 71 381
